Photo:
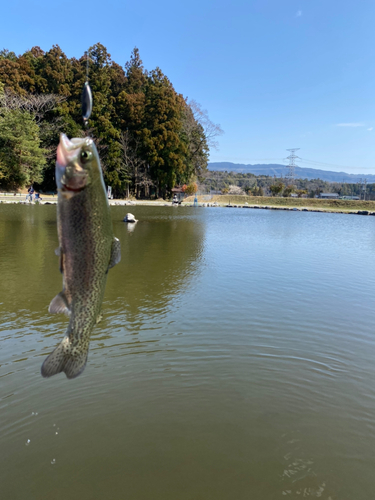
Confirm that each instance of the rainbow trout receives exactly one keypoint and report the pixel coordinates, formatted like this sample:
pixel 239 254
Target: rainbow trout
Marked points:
pixel 87 250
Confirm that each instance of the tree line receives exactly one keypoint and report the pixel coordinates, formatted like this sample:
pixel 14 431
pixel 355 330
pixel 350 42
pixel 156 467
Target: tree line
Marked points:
pixel 250 184
pixel 149 137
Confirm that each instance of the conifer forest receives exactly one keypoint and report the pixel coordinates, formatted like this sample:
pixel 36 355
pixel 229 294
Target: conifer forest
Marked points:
pixel 150 138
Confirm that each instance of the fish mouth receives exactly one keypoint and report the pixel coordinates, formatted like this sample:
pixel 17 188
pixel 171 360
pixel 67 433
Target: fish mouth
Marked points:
pixel 65 188
pixel 69 173
pixel 74 178
pixel 68 150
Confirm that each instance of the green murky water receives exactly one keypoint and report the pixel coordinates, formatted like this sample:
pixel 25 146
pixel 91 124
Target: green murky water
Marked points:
pixel 235 360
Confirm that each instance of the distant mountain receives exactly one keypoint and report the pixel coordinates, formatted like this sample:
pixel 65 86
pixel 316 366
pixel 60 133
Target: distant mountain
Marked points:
pixel 282 170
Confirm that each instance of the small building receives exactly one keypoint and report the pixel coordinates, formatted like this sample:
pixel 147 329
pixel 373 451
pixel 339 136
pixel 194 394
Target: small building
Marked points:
pixel 179 193
pixel 329 196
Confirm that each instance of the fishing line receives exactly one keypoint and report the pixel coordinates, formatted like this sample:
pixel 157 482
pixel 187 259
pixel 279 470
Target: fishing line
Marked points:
pixel 87 65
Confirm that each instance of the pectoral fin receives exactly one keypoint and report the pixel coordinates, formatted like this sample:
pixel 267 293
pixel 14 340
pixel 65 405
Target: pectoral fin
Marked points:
pixel 59 304
pixel 115 253
pixel 60 254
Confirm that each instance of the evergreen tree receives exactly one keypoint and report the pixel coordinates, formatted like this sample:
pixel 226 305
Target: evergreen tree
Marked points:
pixel 21 157
pixel 165 137
pixel 193 135
pixel 162 144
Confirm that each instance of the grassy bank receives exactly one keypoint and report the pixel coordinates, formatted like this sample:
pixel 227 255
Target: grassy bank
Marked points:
pixel 223 200
pixel 312 203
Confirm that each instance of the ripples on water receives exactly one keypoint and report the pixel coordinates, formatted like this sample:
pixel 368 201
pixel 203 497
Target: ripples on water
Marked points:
pixel 234 360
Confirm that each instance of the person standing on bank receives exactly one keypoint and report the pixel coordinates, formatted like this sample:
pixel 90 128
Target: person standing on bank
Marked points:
pixel 31 192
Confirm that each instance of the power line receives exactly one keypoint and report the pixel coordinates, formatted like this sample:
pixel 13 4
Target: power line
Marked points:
pixel 303 160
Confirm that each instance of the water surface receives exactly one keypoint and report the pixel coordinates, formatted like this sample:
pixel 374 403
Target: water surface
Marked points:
pixel 235 360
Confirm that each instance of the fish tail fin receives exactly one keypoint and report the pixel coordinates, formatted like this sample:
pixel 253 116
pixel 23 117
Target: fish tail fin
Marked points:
pixel 66 358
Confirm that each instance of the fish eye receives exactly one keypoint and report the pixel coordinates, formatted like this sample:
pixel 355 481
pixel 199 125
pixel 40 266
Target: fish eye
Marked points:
pixel 85 156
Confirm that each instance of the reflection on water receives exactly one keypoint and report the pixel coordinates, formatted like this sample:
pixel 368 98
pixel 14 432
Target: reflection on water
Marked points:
pixel 131 226
pixel 234 360
pixel 160 255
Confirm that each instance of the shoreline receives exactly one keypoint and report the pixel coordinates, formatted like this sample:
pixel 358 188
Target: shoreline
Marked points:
pixel 52 200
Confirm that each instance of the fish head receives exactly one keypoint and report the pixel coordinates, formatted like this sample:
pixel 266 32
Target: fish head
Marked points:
pixel 77 165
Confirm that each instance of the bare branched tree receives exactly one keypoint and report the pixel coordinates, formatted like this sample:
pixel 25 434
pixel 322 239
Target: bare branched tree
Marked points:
pixel 211 130
pixel 36 104
pixel 136 168
pixel 48 129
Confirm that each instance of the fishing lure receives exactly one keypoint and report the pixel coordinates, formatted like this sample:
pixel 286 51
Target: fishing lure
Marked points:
pixel 86 98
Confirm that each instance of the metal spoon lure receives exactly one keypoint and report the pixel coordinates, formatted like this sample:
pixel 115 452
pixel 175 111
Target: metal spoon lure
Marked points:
pixel 86 98
pixel 86 103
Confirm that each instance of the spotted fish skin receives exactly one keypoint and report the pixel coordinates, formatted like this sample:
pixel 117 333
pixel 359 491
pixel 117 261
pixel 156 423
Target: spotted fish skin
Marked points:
pixel 87 250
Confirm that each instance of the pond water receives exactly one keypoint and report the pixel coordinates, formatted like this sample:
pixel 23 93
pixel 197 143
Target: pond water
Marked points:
pixel 235 360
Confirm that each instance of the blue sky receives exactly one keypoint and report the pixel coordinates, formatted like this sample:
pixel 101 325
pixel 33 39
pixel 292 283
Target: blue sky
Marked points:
pixel 275 74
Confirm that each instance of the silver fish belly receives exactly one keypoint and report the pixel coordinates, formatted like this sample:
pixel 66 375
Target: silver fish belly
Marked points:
pixel 87 251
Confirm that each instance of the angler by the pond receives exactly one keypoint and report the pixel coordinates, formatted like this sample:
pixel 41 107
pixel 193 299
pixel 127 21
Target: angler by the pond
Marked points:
pixel 87 251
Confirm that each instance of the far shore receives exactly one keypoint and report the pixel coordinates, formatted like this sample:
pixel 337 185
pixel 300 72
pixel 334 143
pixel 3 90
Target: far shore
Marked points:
pixel 359 207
